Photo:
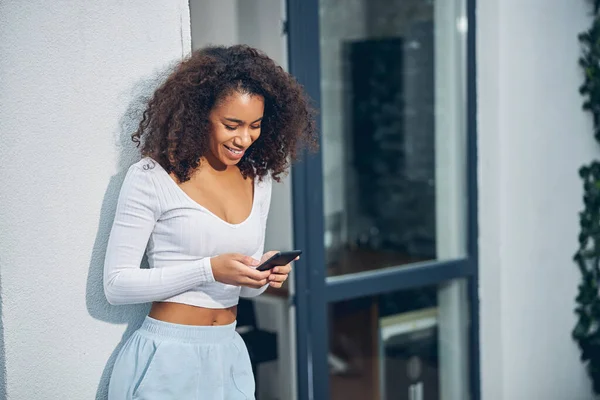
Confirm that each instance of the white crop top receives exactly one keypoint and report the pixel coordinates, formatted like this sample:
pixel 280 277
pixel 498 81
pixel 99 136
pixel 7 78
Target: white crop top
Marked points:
pixel 179 236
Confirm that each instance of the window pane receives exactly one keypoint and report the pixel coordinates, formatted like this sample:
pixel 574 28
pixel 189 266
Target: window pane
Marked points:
pixel 393 137
pixel 404 345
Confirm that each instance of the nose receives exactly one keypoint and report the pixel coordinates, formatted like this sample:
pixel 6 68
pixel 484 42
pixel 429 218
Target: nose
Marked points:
pixel 244 139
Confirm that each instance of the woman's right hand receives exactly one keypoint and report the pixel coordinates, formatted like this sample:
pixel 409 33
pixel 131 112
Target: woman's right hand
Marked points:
pixel 239 270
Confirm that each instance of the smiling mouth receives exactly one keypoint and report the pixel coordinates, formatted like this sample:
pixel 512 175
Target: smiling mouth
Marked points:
pixel 234 151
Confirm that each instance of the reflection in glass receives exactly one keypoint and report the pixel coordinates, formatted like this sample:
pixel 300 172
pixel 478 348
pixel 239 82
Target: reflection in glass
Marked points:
pixel 404 345
pixel 388 137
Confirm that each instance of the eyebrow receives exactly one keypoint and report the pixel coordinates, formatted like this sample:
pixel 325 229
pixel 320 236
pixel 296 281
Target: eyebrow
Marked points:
pixel 239 121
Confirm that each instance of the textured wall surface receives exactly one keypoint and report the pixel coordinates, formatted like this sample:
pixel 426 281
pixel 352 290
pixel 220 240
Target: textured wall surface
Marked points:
pixel 533 137
pixel 72 76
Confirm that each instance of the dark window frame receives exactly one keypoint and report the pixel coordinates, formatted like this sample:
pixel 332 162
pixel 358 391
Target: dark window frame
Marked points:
pixel 313 290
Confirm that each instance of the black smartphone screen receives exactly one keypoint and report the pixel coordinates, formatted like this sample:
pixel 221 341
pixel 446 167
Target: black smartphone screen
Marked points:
pixel 279 258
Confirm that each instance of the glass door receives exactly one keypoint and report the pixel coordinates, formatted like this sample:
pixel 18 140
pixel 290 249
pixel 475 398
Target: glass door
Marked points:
pixel 386 210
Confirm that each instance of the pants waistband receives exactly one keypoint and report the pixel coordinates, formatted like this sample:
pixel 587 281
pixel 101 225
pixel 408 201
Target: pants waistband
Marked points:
pixel 188 333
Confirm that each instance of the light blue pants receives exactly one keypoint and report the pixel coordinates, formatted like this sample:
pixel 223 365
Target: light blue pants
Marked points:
pixel 164 361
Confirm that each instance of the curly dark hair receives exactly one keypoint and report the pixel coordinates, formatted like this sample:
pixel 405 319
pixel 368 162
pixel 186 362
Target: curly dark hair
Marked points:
pixel 175 127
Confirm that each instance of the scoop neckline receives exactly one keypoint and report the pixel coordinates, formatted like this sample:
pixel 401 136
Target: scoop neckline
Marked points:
pixel 203 208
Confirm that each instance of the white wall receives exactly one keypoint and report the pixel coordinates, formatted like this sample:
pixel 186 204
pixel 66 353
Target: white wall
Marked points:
pixel 214 22
pixel 70 72
pixel 533 137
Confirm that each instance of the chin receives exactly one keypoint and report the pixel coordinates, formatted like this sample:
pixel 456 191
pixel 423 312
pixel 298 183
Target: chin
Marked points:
pixel 229 162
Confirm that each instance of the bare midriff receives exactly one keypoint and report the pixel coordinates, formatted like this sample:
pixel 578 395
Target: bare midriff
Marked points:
pixel 184 314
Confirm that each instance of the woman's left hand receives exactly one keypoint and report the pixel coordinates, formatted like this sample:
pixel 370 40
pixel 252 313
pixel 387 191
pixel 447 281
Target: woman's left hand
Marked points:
pixel 279 274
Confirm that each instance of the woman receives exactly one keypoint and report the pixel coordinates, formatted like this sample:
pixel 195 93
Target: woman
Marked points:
pixel 213 137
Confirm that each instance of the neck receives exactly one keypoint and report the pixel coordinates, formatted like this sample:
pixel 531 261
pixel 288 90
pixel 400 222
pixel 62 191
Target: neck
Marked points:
pixel 213 166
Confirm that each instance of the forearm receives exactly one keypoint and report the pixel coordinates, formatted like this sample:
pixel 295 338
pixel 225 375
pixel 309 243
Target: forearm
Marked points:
pixel 133 285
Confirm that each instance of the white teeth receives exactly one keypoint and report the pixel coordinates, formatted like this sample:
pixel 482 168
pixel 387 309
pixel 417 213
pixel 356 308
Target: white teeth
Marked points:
pixel 234 151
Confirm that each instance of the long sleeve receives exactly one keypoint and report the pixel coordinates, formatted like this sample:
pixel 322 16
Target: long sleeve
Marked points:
pixel 138 209
pixel 264 213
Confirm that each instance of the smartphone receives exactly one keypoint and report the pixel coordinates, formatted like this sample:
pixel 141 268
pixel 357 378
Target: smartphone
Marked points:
pixel 279 258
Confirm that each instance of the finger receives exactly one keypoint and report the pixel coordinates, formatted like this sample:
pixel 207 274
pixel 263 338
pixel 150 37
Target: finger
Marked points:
pixel 256 275
pixel 278 278
pixel 255 284
pixel 284 269
pixel 268 255
pixel 276 285
pixel 247 260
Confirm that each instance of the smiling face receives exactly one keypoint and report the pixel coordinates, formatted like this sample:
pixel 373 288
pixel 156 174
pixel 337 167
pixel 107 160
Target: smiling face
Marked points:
pixel 235 122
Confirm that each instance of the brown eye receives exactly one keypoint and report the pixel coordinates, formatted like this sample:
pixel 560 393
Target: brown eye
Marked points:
pixel 230 128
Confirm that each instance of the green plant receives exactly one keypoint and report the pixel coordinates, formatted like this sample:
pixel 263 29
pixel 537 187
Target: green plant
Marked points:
pixel 587 330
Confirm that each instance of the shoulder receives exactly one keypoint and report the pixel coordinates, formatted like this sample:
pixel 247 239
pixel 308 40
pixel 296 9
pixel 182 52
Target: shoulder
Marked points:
pixel 263 191
pixel 143 176
pixel 146 164
pixel 146 170
pixel 140 185
pixel 264 184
